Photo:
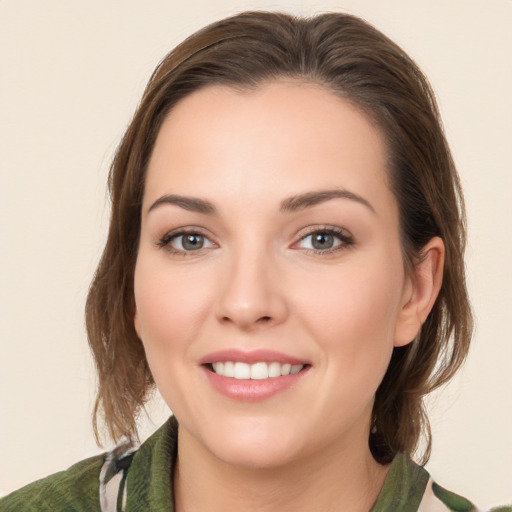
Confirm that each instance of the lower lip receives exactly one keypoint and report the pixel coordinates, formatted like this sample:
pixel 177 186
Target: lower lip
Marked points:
pixel 251 390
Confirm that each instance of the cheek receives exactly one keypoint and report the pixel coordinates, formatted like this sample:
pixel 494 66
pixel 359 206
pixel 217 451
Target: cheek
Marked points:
pixel 170 308
pixel 170 305
pixel 355 314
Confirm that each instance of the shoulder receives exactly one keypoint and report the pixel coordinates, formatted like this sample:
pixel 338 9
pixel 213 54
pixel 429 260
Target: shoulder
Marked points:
pixel 410 488
pixel 73 489
pixel 135 478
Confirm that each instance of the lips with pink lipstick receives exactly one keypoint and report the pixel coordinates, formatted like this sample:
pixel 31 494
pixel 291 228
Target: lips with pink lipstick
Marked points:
pixel 254 375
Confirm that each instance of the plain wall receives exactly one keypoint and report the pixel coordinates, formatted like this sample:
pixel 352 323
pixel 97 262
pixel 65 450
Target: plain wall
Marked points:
pixel 71 75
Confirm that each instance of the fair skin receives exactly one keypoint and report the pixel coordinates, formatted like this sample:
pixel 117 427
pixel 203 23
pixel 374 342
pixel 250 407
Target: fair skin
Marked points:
pixel 271 271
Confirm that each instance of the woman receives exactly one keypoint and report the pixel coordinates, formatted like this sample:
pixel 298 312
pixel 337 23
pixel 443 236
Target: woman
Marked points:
pixel 285 264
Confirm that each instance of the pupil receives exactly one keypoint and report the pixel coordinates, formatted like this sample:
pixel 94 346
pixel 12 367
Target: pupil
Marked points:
pixel 323 241
pixel 192 242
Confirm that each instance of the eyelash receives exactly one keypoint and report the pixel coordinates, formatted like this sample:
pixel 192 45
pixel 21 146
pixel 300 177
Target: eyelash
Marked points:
pixel 165 241
pixel 346 240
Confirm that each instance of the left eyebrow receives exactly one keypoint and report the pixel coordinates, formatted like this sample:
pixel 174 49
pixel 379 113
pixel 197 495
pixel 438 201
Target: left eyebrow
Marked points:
pixel 309 199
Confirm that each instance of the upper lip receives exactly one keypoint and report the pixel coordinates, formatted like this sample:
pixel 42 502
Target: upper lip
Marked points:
pixel 250 357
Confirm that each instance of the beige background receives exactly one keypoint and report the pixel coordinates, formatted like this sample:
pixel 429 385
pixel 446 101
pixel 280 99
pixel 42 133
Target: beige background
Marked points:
pixel 71 74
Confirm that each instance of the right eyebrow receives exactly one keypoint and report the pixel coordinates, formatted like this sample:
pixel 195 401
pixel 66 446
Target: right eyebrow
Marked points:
pixel 193 204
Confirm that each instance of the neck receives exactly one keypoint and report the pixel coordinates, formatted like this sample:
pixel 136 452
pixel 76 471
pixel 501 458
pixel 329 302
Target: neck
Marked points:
pixel 345 479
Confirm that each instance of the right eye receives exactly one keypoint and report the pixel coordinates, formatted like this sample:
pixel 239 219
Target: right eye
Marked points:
pixel 185 242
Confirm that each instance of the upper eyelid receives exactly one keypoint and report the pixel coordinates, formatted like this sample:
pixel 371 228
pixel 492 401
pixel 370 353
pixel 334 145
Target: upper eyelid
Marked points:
pixel 186 231
pixel 345 238
pixel 310 230
pixel 166 238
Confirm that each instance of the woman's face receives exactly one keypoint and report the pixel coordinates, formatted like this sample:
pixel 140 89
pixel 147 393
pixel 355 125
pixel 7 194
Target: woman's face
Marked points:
pixel 269 244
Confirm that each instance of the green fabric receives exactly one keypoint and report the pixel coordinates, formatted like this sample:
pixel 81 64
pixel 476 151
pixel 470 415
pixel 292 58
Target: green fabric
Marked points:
pixel 150 476
pixel 74 490
pixel 453 501
pixel 403 488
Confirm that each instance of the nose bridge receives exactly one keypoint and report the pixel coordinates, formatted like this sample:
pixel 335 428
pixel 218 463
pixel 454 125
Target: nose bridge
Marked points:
pixel 251 293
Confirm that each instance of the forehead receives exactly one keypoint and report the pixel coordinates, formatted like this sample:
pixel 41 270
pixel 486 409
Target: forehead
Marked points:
pixel 282 138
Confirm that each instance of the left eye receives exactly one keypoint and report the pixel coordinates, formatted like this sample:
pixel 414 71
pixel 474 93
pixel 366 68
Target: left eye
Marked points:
pixel 189 242
pixel 323 241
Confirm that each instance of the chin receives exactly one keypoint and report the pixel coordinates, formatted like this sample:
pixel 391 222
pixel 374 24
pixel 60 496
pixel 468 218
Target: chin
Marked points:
pixel 255 456
pixel 252 444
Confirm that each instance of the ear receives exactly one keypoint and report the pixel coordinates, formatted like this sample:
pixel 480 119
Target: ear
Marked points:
pixel 420 292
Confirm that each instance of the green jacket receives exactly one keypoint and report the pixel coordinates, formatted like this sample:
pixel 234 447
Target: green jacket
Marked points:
pixel 140 480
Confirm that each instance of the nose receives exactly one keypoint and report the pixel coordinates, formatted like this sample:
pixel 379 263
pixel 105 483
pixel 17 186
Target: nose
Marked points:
pixel 251 296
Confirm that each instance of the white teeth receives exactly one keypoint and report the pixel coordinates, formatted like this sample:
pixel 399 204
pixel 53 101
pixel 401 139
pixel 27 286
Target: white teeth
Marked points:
pixel 259 371
pixel 229 369
pixel 285 369
pixel 256 371
pixel 242 371
pixel 274 370
pixel 296 368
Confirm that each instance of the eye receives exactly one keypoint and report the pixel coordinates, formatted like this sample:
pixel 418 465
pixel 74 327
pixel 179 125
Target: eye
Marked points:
pixel 325 240
pixel 184 242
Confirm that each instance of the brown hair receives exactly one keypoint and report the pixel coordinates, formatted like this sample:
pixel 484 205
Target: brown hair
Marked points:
pixel 355 61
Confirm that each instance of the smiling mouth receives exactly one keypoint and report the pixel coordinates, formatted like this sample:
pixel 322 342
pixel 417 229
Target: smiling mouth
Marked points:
pixel 256 371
